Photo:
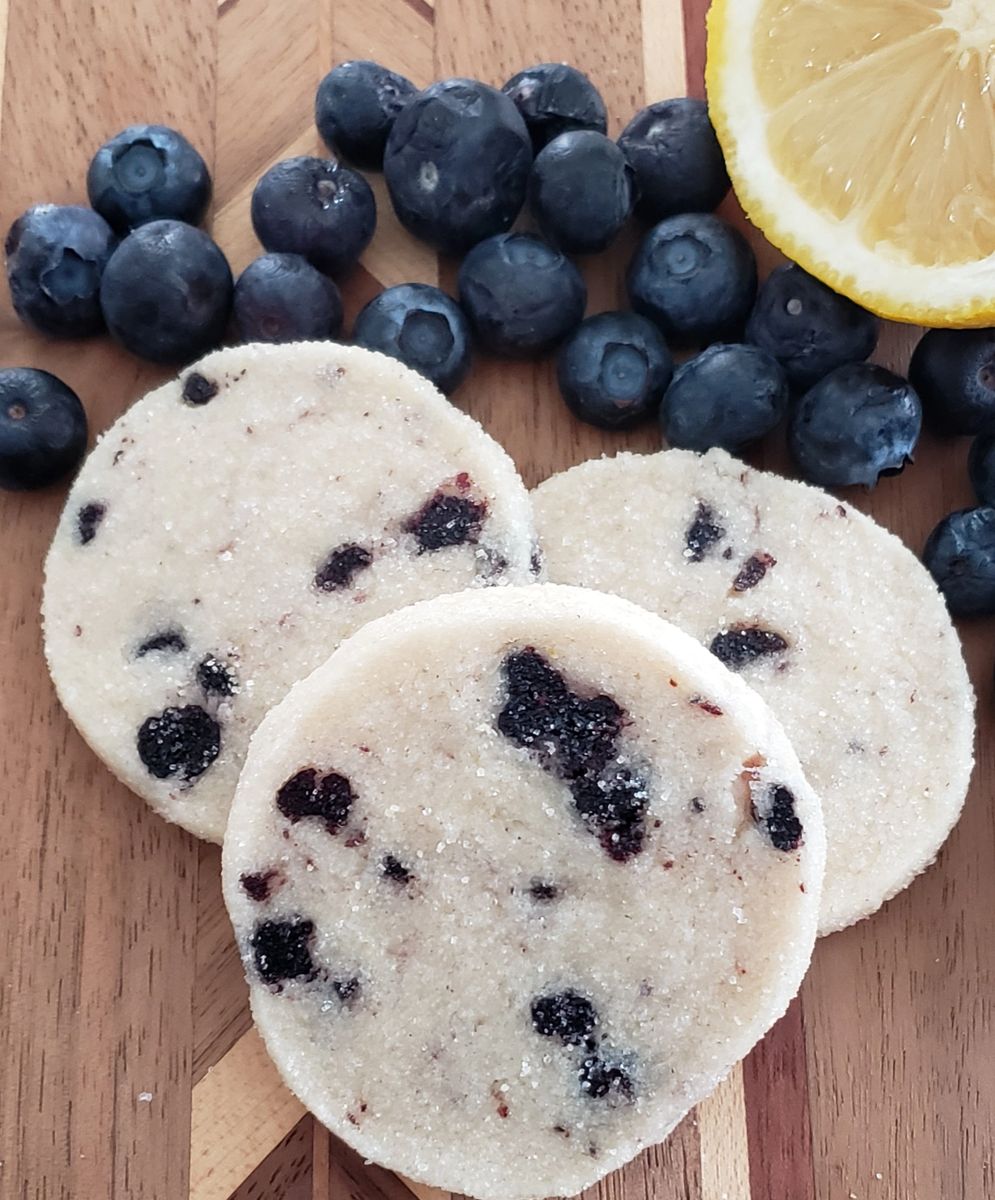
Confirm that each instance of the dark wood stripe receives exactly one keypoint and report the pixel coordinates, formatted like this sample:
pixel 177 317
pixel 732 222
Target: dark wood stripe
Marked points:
pixel 778 1120
pixel 285 1172
pixel 694 45
pixel 224 6
pixel 423 9
pixel 340 1173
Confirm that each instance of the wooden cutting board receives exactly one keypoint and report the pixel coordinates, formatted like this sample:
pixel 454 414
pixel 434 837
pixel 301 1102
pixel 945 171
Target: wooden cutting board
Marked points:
pixel 129 1069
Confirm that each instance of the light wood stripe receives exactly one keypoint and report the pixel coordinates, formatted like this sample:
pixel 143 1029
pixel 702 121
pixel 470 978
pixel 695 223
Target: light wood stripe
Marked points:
pixel 241 1111
pixel 4 13
pixel 725 1156
pixel 663 50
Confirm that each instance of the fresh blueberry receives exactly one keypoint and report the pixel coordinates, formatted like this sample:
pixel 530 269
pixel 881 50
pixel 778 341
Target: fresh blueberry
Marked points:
pixel 981 468
pixel 580 191
pixel 522 296
pixel 166 292
pixel 42 429
pixel 148 173
pixel 960 555
pixel 355 108
pixel 953 370
pixel 676 157
pixel 808 328
pixel 314 207
pixel 56 255
pixel 423 327
pixel 695 277
pixel 555 98
pixel 614 369
pixel 457 164
pixel 282 298
pixel 857 424
pixel 728 396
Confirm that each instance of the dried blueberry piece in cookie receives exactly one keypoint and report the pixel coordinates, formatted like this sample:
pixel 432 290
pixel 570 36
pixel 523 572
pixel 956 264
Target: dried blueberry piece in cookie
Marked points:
pixel 775 814
pixel 88 520
pixel 543 892
pixel 566 1015
pixel 216 677
pixel 745 644
pixel 702 534
pixel 259 885
pixel 346 989
pixel 168 641
pixel 614 807
pixel 753 571
pixel 328 797
pixel 281 951
pixel 599 1079
pixel 198 389
pixel 393 869
pixel 179 743
pixel 446 520
pixel 340 568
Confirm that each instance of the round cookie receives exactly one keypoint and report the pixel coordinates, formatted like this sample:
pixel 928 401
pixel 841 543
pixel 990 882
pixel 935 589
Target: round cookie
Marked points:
pixel 834 622
pixel 234 526
pixel 517 877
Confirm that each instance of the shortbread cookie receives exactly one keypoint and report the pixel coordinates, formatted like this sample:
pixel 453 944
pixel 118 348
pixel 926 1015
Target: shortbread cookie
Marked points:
pixel 833 621
pixel 517 876
pixel 234 526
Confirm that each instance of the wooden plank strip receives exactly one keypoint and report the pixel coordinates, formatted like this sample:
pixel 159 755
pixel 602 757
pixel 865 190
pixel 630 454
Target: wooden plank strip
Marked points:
pixel 220 1003
pixel 241 1111
pixel 725 1158
pixel 694 45
pixel 340 1172
pixel 776 1089
pixel 663 50
pixel 286 1173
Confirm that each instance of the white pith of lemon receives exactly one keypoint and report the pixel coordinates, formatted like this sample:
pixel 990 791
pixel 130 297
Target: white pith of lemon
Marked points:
pixel 860 138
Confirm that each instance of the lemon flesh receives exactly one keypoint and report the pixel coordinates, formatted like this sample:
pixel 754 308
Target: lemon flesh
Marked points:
pixel 860 136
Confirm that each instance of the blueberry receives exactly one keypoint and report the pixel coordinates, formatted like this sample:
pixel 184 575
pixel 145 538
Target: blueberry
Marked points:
pixel 696 277
pixel 981 468
pixel 676 157
pixel 446 520
pixel 355 109
pixel 307 794
pixel 743 645
pixel 857 424
pixel 148 173
pixel 953 370
pixel 457 164
pixel 56 255
pixel 423 327
pixel 960 555
pixel 282 298
pixel 727 396
pixel 179 743
pixel 580 191
pixel 614 369
pixel 314 207
pixel 555 98
pixel 807 327
pixel 166 292
pixel 42 429
pixel 281 950
pixel 566 1015
pixel 522 296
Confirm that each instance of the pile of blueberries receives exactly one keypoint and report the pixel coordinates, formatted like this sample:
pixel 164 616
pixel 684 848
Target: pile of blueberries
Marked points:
pixel 461 160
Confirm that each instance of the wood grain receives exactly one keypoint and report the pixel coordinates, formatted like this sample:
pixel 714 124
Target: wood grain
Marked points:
pixel 129 1066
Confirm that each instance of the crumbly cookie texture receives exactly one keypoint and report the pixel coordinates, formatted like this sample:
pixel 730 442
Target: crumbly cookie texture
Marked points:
pixel 827 615
pixel 517 876
pixel 234 526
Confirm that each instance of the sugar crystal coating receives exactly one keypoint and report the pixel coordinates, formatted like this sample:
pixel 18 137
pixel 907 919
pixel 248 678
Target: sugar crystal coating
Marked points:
pixel 529 1010
pixel 842 633
pixel 258 504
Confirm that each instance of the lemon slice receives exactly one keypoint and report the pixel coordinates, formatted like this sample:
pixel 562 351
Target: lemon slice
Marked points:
pixel 860 137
